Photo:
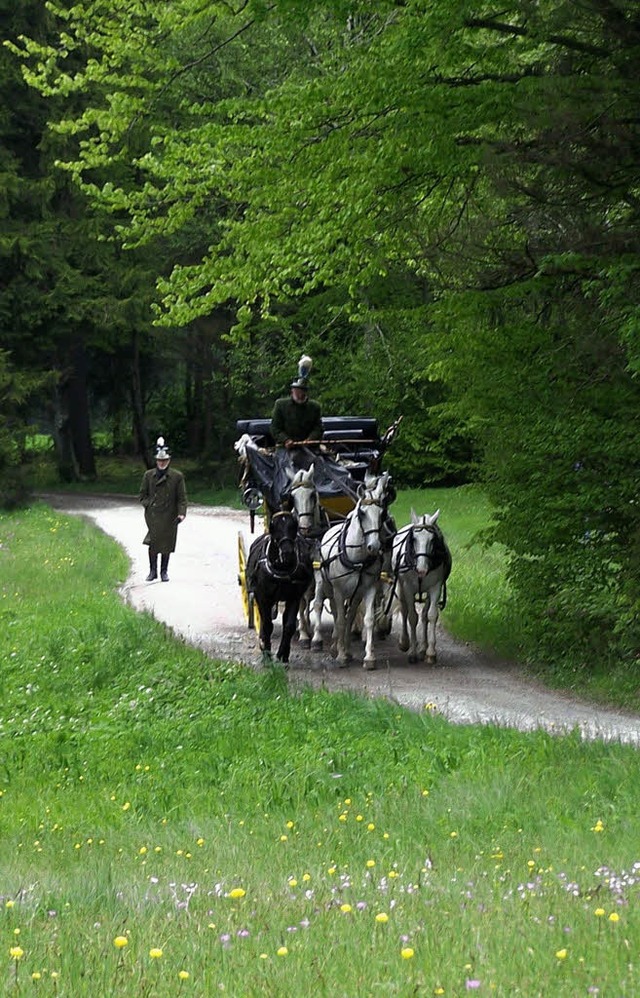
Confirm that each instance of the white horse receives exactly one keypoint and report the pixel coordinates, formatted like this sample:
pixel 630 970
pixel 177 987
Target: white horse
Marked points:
pixel 350 558
pixel 313 521
pixel 420 567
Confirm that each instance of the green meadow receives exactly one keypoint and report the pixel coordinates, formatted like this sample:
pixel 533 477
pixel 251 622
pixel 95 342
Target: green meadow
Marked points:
pixel 177 826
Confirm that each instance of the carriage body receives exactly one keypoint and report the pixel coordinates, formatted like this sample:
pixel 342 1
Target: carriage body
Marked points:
pixel 349 447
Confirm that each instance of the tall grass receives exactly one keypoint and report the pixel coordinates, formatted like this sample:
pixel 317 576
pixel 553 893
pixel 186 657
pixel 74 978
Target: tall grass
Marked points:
pixel 172 825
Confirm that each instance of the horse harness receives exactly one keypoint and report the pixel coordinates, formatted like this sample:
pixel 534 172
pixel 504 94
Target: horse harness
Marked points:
pixel 318 515
pixel 342 554
pixel 288 575
pixel 407 561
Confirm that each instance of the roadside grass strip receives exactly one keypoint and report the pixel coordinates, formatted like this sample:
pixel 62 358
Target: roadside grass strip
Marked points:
pixel 172 825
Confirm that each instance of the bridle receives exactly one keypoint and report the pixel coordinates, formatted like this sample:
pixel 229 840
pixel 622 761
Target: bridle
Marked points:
pixel 407 558
pixel 343 554
pixel 312 515
pixel 271 563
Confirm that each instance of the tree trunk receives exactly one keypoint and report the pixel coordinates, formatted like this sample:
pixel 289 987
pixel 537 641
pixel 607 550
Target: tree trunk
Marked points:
pixel 71 420
pixel 141 437
pixel 79 416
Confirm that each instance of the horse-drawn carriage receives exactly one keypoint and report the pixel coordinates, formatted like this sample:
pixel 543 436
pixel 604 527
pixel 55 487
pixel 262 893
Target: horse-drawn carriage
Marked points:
pixel 321 479
pixel 328 536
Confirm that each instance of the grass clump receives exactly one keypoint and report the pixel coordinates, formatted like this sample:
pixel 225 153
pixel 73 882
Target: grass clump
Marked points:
pixel 173 825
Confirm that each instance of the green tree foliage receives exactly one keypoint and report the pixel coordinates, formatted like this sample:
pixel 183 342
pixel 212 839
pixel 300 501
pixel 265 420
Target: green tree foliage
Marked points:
pixel 487 157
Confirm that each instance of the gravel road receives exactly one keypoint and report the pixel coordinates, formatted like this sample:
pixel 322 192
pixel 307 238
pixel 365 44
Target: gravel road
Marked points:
pixel 202 604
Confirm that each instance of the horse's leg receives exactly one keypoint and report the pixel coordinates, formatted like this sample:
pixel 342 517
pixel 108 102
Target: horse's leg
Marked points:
pixel 353 611
pixel 341 629
pixel 304 619
pixel 403 598
pixel 432 620
pixel 369 626
pixel 316 613
pixel 422 631
pixel 412 615
pixel 265 607
pixel 383 617
pixel 289 617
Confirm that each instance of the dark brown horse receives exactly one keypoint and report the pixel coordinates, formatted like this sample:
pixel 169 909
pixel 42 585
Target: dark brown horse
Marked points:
pixel 279 570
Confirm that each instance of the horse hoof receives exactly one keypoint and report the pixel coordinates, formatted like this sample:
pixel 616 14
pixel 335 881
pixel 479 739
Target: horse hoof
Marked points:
pixel 316 646
pixel 369 664
pixel 431 659
pixel 304 643
pixel 413 659
pixel 344 663
pixel 403 645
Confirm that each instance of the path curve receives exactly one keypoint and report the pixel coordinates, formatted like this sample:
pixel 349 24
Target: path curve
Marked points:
pixel 202 604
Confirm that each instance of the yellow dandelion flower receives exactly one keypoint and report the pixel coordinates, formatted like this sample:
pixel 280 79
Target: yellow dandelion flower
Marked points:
pixel 183 975
pixel 370 826
pixel 126 806
pixel 346 908
pixel 237 892
pixel 614 917
pixel 9 904
pixel 36 975
pixel 120 941
pixel 292 882
pixel 200 841
pixel 561 954
pixel 347 800
pixel 382 917
pixel 598 827
pixel 290 824
pixel 284 838
pixel 155 953
pixel 599 912
pixel 342 817
pixel 453 835
pixel 282 951
pixel 16 952
pixel 142 851
pixel 406 952
pixel 371 863
pixel 438 991
pixel 306 877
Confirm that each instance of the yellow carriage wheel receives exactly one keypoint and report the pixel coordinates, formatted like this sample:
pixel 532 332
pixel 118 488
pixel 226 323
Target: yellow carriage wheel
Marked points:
pixel 248 601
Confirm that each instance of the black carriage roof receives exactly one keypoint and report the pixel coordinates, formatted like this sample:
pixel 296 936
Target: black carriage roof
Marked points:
pixel 334 428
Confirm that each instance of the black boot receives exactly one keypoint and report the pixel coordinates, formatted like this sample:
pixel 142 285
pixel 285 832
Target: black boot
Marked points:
pixel 164 564
pixel 153 567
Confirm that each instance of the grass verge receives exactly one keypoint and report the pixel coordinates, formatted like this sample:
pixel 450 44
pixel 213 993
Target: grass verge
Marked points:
pixel 173 825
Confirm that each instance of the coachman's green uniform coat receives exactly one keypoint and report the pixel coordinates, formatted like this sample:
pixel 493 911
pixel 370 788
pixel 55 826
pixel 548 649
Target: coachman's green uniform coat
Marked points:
pixel 164 497
pixel 296 421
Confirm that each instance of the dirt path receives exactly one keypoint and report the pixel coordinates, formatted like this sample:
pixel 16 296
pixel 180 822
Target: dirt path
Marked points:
pixel 202 603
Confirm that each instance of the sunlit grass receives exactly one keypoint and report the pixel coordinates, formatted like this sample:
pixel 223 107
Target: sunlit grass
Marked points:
pixel 172 825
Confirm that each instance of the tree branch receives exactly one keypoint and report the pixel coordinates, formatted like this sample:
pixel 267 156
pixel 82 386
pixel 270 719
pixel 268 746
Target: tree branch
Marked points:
pixel 513 29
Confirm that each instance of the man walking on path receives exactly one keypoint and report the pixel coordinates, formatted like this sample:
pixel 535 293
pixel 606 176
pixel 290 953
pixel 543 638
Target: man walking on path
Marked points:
pixel 164 497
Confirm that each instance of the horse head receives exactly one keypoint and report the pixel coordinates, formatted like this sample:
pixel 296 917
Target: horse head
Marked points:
pixel 423 545
pixel 304 500
pixel 282 554
pixel 370 510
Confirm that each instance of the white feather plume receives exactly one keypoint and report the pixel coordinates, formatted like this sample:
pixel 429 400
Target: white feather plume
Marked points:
pixel 160 441
pixel 304 366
